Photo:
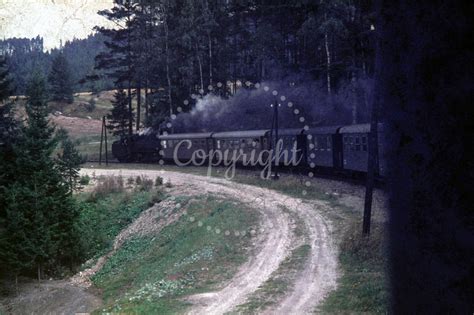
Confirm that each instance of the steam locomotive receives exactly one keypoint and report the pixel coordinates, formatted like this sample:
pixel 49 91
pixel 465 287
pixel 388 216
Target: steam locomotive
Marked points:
pixel 336 148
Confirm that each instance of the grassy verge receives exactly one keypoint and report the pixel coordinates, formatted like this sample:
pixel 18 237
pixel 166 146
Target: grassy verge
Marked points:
pixel 363 286
pixel 151 275
pixel 279 283
pixel 108 209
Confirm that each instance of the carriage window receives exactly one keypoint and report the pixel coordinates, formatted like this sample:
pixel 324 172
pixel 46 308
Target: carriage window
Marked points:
pixel 315 142
pixel 351 143
pixel 195 143
pixel 322 143
pixel 171 143
pixel 329 143
pixel 163 143
pixel 203 142
pixel 218 144
pixel 364 143
pixel 357 143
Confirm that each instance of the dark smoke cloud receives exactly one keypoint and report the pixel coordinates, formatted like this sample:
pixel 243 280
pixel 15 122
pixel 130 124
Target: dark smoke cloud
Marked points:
pixel 249 108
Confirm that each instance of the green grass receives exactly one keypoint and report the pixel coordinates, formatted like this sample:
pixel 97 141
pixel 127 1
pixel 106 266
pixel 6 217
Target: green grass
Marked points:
pixel 102 218
pixel 279 283
pixel 363 287
pixel 151 275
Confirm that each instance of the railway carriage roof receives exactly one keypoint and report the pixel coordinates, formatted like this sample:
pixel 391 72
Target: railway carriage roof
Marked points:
pixel 361 128
pixel 241 134
pixel 322 130
pixel 290 132
pixel 183 136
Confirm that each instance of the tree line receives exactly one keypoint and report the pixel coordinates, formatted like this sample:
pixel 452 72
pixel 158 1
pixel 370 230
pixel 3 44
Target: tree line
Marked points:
pixel 25 56
pixel 161 52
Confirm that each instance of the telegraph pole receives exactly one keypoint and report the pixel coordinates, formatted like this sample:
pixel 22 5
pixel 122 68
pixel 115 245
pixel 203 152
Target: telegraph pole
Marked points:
pixel 276 176
pixel 104 125
pixel 103 136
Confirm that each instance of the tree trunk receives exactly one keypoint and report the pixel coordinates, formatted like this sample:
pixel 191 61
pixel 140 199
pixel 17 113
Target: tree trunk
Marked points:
pixel 16 284
pixel 39 273
pixel 146 99
pixel 354 96
pixel 210 57
pixel 168 78
pixel 200 68
pixel 139 103
pixel 328 64
pixel 130 109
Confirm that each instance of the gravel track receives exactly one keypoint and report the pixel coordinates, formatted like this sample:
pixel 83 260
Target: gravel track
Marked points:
pixel 273 244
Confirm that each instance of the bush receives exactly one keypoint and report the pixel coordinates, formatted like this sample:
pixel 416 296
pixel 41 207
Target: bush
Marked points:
pixel 90 106
pixel 108 185
pixel 158 181
pixel 156 198
pixel 144 183
pixel 168 184
pixel 84 180
pixel 130 181
pixel 147 184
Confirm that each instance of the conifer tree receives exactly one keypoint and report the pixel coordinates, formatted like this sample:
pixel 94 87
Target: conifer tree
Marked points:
pixel 69 161
pixel 39 210
pixel 120 114
pixel 60 80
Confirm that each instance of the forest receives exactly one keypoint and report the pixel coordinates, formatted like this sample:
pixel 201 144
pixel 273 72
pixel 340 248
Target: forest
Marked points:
pixel 170 55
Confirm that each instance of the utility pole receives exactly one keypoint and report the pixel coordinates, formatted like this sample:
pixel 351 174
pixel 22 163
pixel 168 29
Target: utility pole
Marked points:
pixel 373 144
pixel 276 176
pixel 103 136
pixel 101 140
pixel 104 126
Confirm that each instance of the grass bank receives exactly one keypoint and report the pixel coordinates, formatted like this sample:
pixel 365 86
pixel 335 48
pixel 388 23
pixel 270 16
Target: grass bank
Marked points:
pixel 109 208
pixel 363 285
pixel 152 274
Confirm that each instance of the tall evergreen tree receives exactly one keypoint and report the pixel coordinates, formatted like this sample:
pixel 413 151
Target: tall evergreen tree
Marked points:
pixel 119 116
pixel 8 127
pixel 60 80
pixel 69 161
pixel 39 210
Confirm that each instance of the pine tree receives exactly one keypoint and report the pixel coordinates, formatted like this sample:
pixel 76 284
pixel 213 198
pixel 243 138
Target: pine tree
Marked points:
pixel 39 210
pixel 69 161
pixel 8 128
pixel 60 80
pixel 120 116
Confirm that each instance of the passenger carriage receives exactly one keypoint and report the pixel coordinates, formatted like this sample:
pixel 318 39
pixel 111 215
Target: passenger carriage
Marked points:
pixel 185 145
pixel 324 147
pixel 356 148
pixel 246 141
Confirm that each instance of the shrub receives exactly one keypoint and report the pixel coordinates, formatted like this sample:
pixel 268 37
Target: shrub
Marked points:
pixel 90 106
pixel 108 185
pixel 157 197
pixel 158 181
pixel 84 180
pixel 168 184
pixel 138 180
pixel 147 184
pixel 130 181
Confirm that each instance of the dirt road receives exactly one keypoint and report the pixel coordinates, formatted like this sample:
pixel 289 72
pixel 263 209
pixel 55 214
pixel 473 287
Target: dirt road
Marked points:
pixel 275 242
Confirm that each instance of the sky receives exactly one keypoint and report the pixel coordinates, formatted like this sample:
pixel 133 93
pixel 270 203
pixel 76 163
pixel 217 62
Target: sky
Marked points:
pixel 54 20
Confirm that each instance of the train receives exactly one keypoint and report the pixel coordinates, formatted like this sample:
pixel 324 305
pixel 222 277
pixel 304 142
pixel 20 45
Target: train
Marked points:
pixel 335 148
